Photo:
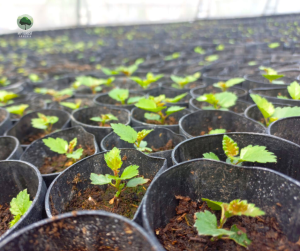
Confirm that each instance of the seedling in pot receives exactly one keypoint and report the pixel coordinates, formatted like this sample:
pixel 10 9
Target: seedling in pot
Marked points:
pixel 17 109
pixel 180 82
pixel 217 131
pixel 247 154
pixel 219 101
pixel 56 95
pixel 19 206
pixel 229 83
pixel 114 162
pixel 104 118
pixel 127 133
pixel 93 83
pixel 172 56
pixel 73 106
pixel 271 74
pixel 155 106
pixel 4 81
pixel 206 222
pixel 6 97
pixel 61 146
pixel 44 122
pixel 121 95
pixel 270 113
pixel 294 91
pixel 126 70
pixel 150 78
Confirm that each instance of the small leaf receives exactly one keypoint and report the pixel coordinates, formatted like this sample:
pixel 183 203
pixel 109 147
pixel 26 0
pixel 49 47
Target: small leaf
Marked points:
pixel 230 147
pixel 272 77
pixel 241 207
pixel 130 172
pixel 286 112
pixel 211 156
pixel 257 154
pixel 211 58
pixel 226 99
pixel 152 116
pixel 119 94
pixel 214 205
pixel 20 204
pixel 217 131
pixel 72 144
pixel 199 50
pixel 17 109
pixel 294 90
pixel 133 100
pixel 149 105
pixel 239 237
pixel 99 179
pixel 174 109
pixel 76 154
pixel 113 159
pixel 175 99
pixel 136 181
pixel 274 45
pixel 267 108
pixel 234 81
pixel 209 98
pixel 57 145
pixel 125 132
pixel 142 134
pixel 15 220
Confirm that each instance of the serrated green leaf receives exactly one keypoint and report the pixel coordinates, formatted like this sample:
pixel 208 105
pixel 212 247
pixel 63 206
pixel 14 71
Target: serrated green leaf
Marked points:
pixel 294 90
pixel 211 156
pixel 217 131
pixel 133 100
pixel 14 221
pixel 20 204
pixel 113 159
pixel 57 145
pixel 136 181
pixel 239 237
pixel 214 205
pixel 142 134
pixel 266 108
pixel 226 99
pixel 257 154
pixel 286 112
pixel 99 179
pixel 125 132
pixel 76 154
pixel 17 109
pixel 174 109
pixel 175 99
pixel 149 105
pixel 234 81
pixel 242 207
pixel 119 94
pixel 230 147
pixel 130 172
pixel 152 116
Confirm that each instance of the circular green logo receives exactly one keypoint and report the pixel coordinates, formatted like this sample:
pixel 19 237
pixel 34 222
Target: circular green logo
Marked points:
pixel 25 22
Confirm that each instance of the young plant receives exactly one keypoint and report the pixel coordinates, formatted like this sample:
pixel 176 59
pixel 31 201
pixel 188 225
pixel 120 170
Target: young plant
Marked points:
pixel 4 81
pixel 122 95
pixel 271 74
pixel 73 106
pixel 19 206
pixel 17 109
pixel 126 70
pixel 93 83
pixel 104 118
pixel 114 162
pixel 6 97
pixel 156 105
pixel 270 113
pixel 150 78
pixel 207 225
pixel 217 131
pixel 199 50
pixel 294 91
pixel 247 154
pixel 180 82
pixel 219 101
pixel 34 78
pixel 127 133
pixel 172 56
pixel 62 146
pixel 44 122
pixel 229 83
pixel 56 95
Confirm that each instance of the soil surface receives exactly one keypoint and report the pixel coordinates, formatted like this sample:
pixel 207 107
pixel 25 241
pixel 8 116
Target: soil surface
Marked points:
pixel 5 218
pixel 168 146
pixel 30 138
pixel 180 234
pixel 96 198
pixel 168 121
pixel 60 162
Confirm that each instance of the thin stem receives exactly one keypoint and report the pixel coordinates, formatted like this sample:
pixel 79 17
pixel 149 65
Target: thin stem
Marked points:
pixel 163 117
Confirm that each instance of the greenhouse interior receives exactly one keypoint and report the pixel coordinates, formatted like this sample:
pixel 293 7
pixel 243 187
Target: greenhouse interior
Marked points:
pixel 130 125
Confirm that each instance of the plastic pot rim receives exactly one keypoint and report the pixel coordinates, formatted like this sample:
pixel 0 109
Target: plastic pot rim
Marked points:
pixel 17 144
pixel 279 120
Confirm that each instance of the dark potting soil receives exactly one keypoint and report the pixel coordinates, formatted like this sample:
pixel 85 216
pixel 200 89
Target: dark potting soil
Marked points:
pixel 5 218
pixel 30 138
pixel 168 121
pixel 60 162
pixel 2 117
pixel 180 234
pixel 168 146
pixel 96 198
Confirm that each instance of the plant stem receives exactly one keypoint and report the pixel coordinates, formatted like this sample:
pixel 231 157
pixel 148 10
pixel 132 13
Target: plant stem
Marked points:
pixel 163 117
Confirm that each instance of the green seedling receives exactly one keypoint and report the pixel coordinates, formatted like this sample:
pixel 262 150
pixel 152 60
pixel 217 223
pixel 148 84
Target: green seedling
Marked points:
pixel 199 50
pixel 56 95
pixel 44 122
pixel 126 70
pixel 128 134
pixel 273 45
pixel 150 78
pixel 4 81
pixel 219 101
pixel 271 74
pixel 270 113
pixel 121 95
pixel 172 56
pixel 211 58
pixel 104 118
pixel 229 83
pixel 61 146
pixel 114 162
pixel 207 225
pixel 17 109
pixel 247 154
pixel 217 131
pixel 73 106
pixel 155 105
pixel 19 206
pixel 180 82
pixel 294 91
pixel 34 78
pixel 93 83
pixel 6 97
pixel 220 47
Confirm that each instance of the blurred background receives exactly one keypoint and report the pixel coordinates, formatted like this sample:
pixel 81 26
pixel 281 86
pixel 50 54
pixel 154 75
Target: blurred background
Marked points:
pixel 65 13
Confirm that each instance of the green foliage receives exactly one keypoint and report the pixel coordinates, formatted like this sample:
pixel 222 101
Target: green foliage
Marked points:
pixel 271 74
pixel 294 90
pixel 206 222
pixel 273 45
pixel 126 70
pixel 6 97
pixel 104 118
pixel 19 206
pixel 220 47
pixel 4 81
pixel 34 78
pixel 199 50
pixel 217 131
pixel 93 83
pixel 211 58
pixel 222 100
pixel 56 95
pixel 172 56
pixel 61 146
pixel 180 82
pixel 270 113
pixel 17 109
pixel 247 154
pixel 44 122
pixel 114 162
pixel 229 83
pixel 150 78
pixel 119 94
pixel 73 106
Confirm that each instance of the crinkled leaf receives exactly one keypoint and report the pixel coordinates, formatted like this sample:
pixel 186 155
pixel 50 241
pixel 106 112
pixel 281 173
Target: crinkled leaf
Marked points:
pixel 130 172
pixel 99 179
pixel 125 132
pixel 17 109
pixel 257 154
pixel 76 154
pixel 242 207
pixel 174 109
pixel 57 145
pixel 217 131
pixel 266 108
pixel 149 105
pixel 20 204
pixel 113 159
pixel 119 94
pixel 286 112
pixel 230 147
pixel 72 144
pixel 239 237
pixel 214 205
pixel 152 116
pixel 294 90
pixel 211 156
pixel 175 99
pixel 136 181
pixel 142 134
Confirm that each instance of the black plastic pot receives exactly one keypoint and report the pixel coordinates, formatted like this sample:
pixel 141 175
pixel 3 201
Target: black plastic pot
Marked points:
pixel 188 87
pixel 61 190
pixel 223 182
pixel 286 128
pixel 239 107
pixel 157 138
pixel 288 153
pixel 138 119
pixel 37 151
pixel 85 102
pixel 86 230
pixel 199 122
pixel 82 117
pixel 10 148
pixel 23 127
pixel 106 101
pixel 5 122
pixel 15 177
